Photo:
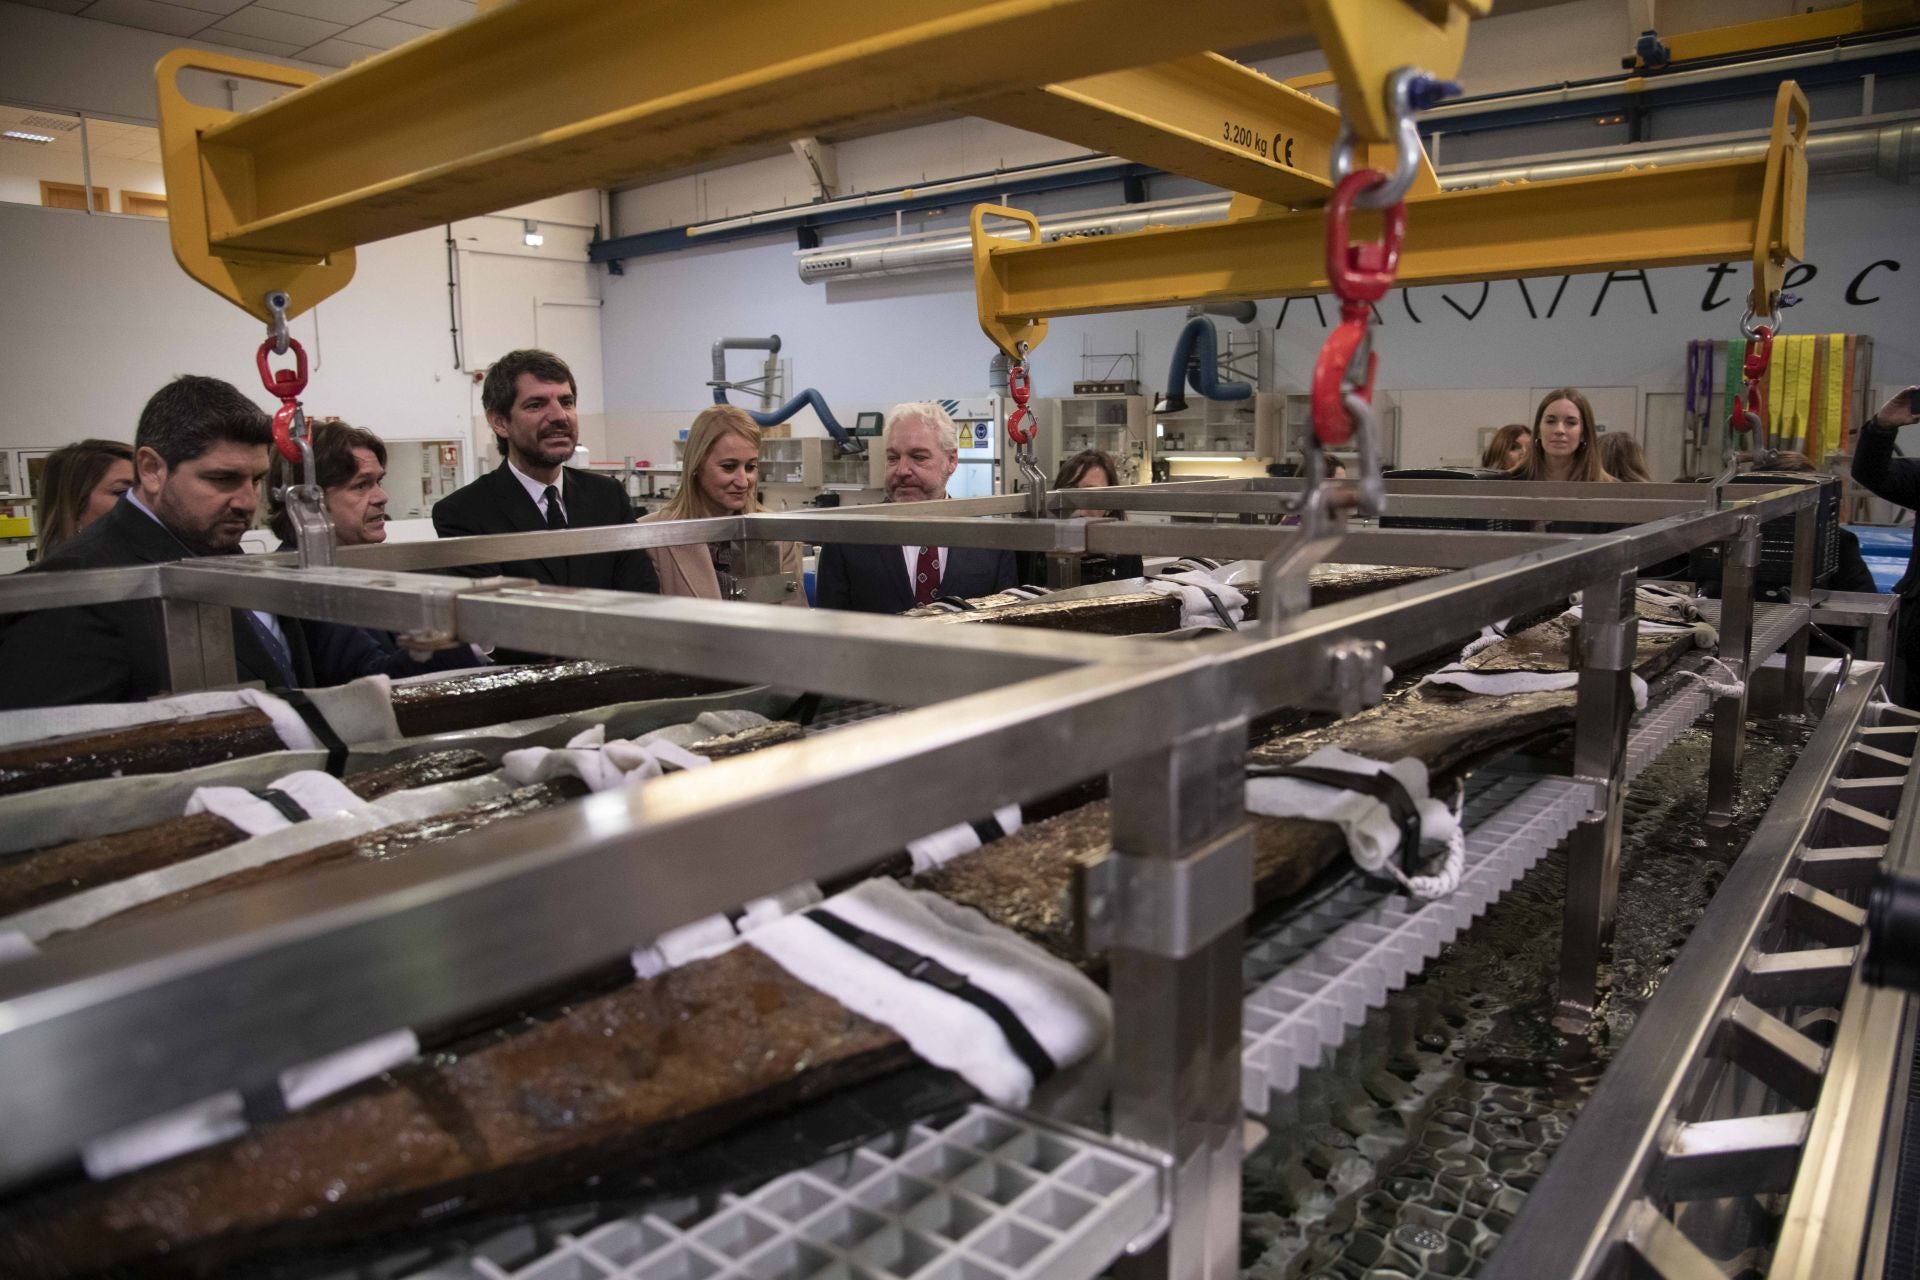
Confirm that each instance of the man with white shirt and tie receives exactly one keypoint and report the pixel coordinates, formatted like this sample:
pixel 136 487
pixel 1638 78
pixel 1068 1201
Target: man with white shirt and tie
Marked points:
pixel 529 399
pixel 200 451
pixel 922 453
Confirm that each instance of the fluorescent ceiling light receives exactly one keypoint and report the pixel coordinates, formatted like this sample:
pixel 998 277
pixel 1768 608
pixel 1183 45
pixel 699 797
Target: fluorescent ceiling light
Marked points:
pixel 1174 455
pixel 21 135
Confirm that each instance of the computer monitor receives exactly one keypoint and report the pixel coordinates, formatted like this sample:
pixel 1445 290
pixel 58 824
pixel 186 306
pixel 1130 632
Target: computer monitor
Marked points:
pixel 868 423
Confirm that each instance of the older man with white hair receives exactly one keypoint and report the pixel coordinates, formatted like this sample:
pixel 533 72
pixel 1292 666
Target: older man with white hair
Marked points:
pixel 922 452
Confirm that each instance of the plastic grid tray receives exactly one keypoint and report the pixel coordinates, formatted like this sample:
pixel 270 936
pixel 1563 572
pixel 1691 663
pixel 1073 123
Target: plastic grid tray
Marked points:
pixel 1773 624
pixel 992 1196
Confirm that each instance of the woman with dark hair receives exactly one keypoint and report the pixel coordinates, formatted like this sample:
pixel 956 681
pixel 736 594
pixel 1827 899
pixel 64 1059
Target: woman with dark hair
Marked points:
pixel 1088 469
pixel 1623 459
pixel 79 484
pixel 1563 440
pixel 1507 448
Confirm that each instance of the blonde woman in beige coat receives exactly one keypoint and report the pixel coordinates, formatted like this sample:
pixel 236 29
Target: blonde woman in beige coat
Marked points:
pixel 720 476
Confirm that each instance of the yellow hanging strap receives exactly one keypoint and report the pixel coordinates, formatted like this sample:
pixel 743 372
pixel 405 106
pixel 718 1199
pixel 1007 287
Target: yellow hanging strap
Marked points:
pixel 1800 387
pixel 1817 398
pixel 1832 437
pixel 1776 393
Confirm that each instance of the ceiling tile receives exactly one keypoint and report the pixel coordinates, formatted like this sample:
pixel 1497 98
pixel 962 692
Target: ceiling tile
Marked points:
pixel 212 6
pixel 344 11
pixel 59 6
pixel 151 16
pixel 270 24
pixel 382 33
pixel 433 13
pixel 337 53
pixel 253 44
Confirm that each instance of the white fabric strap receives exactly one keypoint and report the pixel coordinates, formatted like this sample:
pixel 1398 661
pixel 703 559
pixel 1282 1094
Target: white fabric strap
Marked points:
pixel 948 843
pixel 602 765
pixel 321 794
pixel 1198 589
pixel 1497 683
pixel 188 1128
pixel 1489 636
pixel 308 1083
pixel 1372 834
pixel 34 724
pixel 1065 1013
pixel 15 945
pixel 714 934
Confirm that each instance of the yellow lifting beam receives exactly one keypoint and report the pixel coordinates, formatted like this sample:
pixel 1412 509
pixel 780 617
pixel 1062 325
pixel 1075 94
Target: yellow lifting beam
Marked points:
pixel 1661 216
pixel 1204 117
pixel 540 97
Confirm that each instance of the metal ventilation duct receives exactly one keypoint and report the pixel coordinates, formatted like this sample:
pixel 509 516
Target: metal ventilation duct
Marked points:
pixel 1888 150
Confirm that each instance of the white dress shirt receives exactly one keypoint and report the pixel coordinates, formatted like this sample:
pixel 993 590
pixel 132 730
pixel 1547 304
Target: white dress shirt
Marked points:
pixel 538 491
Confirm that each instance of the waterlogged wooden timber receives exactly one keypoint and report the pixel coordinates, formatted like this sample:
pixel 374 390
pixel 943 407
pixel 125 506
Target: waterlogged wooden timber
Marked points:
pixel 658 1067
pixel 1025 881
pixel 35 876
pixel 485 696
pixel 160 746
pixel 1128 614
pixel 372 846
pixel 739 743
pixel 1151 612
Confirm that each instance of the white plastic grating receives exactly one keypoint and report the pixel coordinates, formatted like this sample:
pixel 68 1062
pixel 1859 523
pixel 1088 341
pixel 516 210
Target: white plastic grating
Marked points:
pixel 1291 1020
pixel 993 1196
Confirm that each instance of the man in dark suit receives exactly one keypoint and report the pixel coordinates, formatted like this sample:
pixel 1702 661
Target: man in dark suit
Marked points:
pixel 200 452
pixel 529 402
pixel 350 463
pixel 922 453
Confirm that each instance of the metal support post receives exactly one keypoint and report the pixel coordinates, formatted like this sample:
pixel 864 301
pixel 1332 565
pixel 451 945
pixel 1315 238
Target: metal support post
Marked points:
pixel 1800 592
pixel 1063 571
pixel 1609 633
pixel 1176 915
pixel 1738 556
pixel 199 645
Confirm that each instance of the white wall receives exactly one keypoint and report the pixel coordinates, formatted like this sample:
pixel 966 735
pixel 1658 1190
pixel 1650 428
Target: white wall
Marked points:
pixel 98 304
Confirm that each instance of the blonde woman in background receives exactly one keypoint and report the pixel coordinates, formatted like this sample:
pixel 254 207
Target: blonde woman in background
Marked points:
pixel 720 476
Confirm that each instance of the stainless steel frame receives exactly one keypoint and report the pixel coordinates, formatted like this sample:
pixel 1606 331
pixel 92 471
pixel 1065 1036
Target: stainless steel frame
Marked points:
pixel 119 1026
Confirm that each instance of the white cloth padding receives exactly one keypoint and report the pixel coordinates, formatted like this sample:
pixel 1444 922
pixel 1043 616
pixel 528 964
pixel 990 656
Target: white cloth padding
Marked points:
pixel 36 723
pixel 1373 837
pixel 1498 683
pixel 714 934
pixel 16 946
pixel 92 905
pixel 321 794
pixel 308 1083
pixel 1489 636
pixel 358 711
pixel 188 1128
pixel 602 765
pixel 1068 1015
pixel 948 843
pixel 108 806
pixel 1197 589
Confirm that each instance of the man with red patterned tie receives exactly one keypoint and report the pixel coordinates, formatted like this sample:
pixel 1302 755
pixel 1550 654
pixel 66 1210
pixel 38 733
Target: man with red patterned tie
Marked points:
pixel 922 452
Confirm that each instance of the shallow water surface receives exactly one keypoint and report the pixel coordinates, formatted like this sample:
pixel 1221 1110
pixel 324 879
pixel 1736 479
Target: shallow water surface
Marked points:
pixel 1408 1153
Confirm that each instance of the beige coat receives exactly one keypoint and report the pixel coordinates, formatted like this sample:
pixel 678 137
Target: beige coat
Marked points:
pixel 687 570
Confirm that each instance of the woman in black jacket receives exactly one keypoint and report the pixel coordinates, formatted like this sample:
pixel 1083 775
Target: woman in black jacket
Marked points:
pixel 1898 481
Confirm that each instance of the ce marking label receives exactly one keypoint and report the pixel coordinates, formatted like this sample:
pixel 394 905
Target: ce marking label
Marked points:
pixel 1239 135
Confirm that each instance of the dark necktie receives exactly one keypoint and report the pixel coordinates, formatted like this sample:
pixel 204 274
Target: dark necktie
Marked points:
pixel 556 518
pixel 277 650
pixel 926 576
